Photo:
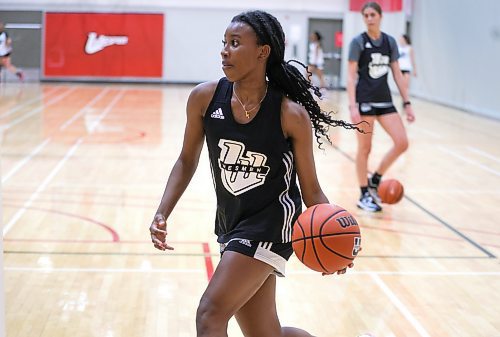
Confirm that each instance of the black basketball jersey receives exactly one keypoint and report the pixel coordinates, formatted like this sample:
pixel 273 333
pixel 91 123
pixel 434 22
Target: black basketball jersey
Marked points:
pixel 253 170
pixel 373 67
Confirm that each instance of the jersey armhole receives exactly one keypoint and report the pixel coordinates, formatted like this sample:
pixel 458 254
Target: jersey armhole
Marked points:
pixel 391 46
pixel 220 94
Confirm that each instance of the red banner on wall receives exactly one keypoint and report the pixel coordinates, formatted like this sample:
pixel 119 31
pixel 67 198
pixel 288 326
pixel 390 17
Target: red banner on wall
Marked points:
pixel 103 45
pixel 386 5
pixel 339 38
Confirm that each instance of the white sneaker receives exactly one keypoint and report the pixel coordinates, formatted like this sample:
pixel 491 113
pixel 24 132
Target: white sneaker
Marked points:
pixel 367 203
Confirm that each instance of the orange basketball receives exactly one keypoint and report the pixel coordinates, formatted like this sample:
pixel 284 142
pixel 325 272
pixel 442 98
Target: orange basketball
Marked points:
pixel 390 191
pixel 326 238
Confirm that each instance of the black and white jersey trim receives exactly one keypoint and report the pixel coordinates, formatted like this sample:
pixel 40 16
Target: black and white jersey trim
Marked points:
pixel 265 245
pixel 286 201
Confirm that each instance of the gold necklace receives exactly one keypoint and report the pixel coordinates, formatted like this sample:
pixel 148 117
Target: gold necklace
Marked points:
pixel 247 112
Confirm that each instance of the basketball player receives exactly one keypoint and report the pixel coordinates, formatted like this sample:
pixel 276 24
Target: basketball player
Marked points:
pixel 259 138
pixel 371 55
pixel 5 51
pixel 316 58
pixel 406 59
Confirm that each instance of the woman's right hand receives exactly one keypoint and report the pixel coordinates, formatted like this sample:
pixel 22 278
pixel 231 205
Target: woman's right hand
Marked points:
pixel 158 231
pixel 355 116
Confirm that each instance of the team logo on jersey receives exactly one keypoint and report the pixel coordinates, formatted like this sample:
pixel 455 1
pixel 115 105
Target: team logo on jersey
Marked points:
pixel 97 43
pixel 379 65
pixel 241 170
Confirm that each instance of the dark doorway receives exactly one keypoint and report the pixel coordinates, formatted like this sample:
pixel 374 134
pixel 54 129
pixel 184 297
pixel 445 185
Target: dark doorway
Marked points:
pixel 331 30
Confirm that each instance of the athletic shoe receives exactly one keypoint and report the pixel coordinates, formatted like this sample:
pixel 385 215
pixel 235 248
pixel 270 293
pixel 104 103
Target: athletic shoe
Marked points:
pixel 367 203
pixel 373 189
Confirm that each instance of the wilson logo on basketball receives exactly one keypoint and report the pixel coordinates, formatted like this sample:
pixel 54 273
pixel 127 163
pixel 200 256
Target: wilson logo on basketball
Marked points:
pixel 241 170
pixel 347 221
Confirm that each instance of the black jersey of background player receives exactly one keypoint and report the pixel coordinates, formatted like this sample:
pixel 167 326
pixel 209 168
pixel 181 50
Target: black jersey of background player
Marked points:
pixel 253 170
pixel 373 67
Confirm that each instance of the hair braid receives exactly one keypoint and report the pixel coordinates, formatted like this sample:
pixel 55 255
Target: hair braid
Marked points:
pixel 287 77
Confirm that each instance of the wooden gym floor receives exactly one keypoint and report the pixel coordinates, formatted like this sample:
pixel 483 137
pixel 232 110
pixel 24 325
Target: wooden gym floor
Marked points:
pixel 83 169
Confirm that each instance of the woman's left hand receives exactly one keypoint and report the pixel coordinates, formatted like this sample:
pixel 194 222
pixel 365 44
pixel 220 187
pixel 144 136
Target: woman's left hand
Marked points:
pixel 410 116
pixel 340 272
pixel 343 271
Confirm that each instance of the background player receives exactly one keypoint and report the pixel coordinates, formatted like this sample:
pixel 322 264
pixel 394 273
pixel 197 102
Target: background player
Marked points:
pixel 371 55
pixel 5 51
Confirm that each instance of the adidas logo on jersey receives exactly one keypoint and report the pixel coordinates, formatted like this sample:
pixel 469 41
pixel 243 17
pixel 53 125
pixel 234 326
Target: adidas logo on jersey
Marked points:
pixel 217 114
pixel 245 242
pixel 368 45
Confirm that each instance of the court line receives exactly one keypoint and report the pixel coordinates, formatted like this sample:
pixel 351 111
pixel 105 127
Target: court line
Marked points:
pixel 469 161
pixel 103 270
pixel 116 236
pixel 100 241
pixel 30 156
pixel 25 160
pixel 31 101
pixel 404 273
pixel 106 111
pixel 402 308
pixel 427 132
pixel 41 187
pixel 59 166
pixel 208 260
pixel 52 201
pixel 432 215
pixel 162 254
pixel 84 109
pixel 92 253
pixel 451 228
pixel 19 185
pixel 483 153
pixel 79 194
pixel 203 271
pixel 36 110
pixel 416 257
pixel 438 273
pixel 12 204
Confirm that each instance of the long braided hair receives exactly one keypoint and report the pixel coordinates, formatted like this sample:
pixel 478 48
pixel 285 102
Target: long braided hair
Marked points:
pixel 287 77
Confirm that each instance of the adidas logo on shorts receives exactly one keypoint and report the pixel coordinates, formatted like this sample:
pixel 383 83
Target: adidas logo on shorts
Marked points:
pixel 217 114
pixel 245 242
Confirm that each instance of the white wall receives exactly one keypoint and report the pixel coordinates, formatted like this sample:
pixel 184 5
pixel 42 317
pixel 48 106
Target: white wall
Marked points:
pixel 193 39
pixel 194 28
pixel 290 5
pixel 457 46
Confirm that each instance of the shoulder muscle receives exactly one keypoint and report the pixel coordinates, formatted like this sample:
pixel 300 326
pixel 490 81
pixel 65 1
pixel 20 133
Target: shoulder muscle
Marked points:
pixel 294 118
pixel 201 95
